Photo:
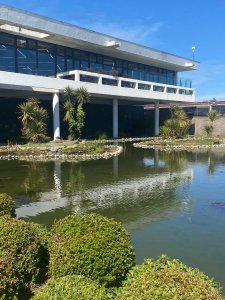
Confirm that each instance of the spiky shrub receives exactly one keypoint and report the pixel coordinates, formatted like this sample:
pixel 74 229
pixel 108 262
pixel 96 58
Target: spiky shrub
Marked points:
pixel 90 245
pixel 74 114
pixel 33 118
pixel 69 117
pixel 167 279
pixel 177 126
pixel 7 205
pixel 212 115
pixel 71 287
pixel 165 132
pixel 80 121
pixel 208 129
pixel 24 256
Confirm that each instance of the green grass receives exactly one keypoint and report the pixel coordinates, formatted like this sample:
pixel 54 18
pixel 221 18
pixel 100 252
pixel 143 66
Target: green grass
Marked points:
pixel 50 148
pixel 188 142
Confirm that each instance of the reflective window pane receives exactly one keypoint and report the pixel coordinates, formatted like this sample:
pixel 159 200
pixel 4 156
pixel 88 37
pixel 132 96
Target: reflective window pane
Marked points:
pixel 31 44
pixel 69 59
pixel 60 59
pixel 26 60
pixel 6 39
pixel 37 57
pixel 46 59
pixel 7 58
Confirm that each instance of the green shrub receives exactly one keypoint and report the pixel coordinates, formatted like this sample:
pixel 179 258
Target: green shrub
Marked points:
pixel 24 256
pixel 165 132
pixel 9 283
pixel 102 136
pixel 177 126
pixel 71 287
pixel 7 205
pixel 208 129
pixel 90 245
pixel 34 120
pixel 167 280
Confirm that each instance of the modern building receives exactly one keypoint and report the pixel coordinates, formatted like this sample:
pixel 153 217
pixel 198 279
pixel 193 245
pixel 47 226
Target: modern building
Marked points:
pixel 40 56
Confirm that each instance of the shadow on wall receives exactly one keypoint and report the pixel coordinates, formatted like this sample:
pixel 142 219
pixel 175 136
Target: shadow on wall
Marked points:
pixel 10 126
pixel 98 120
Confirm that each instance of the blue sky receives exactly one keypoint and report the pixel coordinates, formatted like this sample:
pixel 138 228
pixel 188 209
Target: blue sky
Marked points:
pixel 168 25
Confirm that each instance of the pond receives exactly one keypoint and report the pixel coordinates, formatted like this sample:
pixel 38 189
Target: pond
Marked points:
pixel 170 202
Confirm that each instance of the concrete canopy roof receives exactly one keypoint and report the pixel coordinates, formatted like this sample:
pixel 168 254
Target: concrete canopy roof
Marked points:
pixel 77 37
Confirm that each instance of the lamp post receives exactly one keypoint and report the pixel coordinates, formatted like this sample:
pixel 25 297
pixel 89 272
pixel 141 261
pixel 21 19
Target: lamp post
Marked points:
pixel 193 52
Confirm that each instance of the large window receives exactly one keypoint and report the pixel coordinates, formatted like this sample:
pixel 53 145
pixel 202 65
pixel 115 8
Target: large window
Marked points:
pixel 96 62
pixel 133 70
pixel 26 56
pixel 81 60
pixel 69 59
pixel 60 59
pixel 109 64
pixel 7 53
pixel 46 59
pixel 23 55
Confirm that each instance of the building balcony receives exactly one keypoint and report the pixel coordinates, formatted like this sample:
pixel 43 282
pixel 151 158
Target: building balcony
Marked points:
pixel 100 86
pixel 151 90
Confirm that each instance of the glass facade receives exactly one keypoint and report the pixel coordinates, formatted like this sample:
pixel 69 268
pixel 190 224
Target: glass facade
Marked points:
pixel 23 55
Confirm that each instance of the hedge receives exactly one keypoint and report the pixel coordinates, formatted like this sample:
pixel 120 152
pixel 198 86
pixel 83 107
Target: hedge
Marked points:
pixel 24 256
pixel 7 205
pixel 168 280
pixel 90 245
pixel 72 287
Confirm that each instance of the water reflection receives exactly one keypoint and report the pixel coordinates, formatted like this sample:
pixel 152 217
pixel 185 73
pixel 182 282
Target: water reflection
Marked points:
pixel 135 188
pixel 129 178
pixel 138 186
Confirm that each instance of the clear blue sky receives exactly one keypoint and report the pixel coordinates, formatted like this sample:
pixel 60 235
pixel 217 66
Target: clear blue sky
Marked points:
pixel 169 25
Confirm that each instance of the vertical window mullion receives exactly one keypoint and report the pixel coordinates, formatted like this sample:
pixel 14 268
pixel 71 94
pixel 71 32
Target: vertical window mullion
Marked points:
pixel 36 49
pixel 55 59
pixel 15 53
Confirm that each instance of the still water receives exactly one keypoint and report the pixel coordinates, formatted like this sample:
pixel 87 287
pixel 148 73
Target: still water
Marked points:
pixel 165 200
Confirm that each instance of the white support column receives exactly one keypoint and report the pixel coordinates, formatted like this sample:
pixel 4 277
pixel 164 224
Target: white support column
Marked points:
pixel 156 129
pixel 115 118
pixel 56 118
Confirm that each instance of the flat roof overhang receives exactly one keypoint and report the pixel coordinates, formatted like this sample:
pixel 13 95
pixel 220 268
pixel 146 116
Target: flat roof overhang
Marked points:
pixel 77 37
pixel 50 85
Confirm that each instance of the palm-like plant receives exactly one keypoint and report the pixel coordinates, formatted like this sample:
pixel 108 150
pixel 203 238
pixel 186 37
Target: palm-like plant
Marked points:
pixel 69 94
pixel 212 115
pixel 82 96
pixel 73 107
pixel 33 118
pixel 177 126
pixel 177 112
pixel 69 109
pixel 26 110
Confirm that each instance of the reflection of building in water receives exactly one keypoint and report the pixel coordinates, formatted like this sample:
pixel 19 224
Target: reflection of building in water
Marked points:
pixel 151 197
pixel 57 177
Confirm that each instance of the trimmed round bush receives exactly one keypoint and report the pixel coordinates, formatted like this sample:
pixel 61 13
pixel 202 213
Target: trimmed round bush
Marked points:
pixel 71 287
pixel 90 245
pixel 9 283
pixel 7 205
pixel 167 279
pixel 23 256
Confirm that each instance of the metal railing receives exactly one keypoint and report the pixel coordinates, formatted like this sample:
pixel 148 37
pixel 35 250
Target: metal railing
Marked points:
pixel 114 81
